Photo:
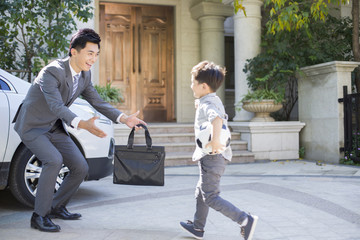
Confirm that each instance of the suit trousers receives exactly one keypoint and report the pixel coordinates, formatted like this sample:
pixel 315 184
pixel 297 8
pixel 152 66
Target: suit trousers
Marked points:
pixel 54 149
pixel 207 192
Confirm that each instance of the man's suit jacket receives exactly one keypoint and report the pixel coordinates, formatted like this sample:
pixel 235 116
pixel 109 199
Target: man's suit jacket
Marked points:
pixel 49 98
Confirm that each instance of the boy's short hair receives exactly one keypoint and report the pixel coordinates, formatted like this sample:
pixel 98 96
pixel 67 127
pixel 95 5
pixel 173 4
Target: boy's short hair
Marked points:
pixel 210 73
pixel 83 36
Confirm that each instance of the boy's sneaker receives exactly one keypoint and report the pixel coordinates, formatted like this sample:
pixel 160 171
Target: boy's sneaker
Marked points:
pixel 248 231
pixel 189 227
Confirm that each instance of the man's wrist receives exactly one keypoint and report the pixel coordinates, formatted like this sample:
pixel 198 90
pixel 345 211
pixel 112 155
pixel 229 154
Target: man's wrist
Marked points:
pixel 123 118
pixel 75 122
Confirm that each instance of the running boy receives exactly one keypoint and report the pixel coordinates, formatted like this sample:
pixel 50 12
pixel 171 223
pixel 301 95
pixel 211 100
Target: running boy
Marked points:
pixel 206 78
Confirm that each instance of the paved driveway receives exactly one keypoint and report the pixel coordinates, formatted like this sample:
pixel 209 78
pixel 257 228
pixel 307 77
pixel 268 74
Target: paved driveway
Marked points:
pixel 295 200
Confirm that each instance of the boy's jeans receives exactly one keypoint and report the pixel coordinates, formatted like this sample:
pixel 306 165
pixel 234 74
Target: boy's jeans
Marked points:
pixel 207 192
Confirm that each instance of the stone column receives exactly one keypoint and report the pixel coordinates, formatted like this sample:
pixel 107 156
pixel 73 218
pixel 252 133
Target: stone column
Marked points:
pixel 320 86
pixel 247 39
pixel 211 16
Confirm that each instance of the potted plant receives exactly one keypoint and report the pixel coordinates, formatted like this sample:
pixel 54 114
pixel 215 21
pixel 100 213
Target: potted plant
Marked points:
pixel 262 102
pixel 263 99
pixel 110 94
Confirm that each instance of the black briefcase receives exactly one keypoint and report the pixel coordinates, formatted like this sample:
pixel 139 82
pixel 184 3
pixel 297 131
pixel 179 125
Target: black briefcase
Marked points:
pixel 139 165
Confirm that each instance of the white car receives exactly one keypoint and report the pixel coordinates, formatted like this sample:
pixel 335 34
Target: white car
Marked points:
pixel 20 169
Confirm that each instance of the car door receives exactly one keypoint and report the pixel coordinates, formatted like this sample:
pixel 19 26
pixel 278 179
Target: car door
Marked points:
pixel 4 119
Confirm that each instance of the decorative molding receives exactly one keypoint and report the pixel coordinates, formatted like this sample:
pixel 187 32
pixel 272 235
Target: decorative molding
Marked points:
pixel 267 127
pixel 329 67
pixel 211 9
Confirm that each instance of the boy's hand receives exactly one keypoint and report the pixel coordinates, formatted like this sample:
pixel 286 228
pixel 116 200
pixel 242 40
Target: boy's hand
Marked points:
pixel 216 147
pixel 215 144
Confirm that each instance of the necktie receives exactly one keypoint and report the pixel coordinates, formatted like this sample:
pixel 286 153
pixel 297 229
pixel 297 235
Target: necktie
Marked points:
pixel 76 82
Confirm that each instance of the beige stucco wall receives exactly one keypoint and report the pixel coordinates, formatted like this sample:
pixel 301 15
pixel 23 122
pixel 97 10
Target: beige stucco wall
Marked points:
pixel 187 51
pixel 320 87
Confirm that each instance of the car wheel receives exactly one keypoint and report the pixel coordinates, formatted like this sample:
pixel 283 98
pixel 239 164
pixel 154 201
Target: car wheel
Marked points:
pixel 24 176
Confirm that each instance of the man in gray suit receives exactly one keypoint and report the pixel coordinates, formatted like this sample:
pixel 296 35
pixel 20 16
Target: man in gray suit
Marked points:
pixel 40 124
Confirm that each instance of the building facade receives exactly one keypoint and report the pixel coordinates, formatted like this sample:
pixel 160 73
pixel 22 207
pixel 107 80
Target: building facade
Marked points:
pixel 149 47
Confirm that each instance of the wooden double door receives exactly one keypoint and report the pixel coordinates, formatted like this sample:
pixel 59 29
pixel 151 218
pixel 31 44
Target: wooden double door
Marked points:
pixel 137 56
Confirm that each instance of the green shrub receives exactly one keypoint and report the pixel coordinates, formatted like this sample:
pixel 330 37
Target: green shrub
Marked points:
pixel 352 158
pixel 262 94
pixel 110 94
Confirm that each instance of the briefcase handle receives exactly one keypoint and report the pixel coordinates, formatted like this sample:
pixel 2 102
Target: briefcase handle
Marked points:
pixel 147 137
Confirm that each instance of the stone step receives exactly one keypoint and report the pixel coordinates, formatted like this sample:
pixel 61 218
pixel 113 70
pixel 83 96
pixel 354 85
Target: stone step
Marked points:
pixel 170 128
pixel 174 138
pixel 139 137
pixel 157 131
pixel 185 158
pixel 179 142
pixel 190 146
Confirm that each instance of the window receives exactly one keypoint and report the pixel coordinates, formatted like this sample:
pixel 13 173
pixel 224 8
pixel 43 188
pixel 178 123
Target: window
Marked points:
pixel 4 85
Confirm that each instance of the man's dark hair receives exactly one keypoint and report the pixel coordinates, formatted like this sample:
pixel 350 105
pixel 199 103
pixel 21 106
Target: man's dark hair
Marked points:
pixel 210 73
pixel 81 37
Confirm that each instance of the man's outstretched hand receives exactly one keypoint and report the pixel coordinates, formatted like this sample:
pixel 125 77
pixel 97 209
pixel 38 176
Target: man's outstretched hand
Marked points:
pixel 90 126
pixel 132 120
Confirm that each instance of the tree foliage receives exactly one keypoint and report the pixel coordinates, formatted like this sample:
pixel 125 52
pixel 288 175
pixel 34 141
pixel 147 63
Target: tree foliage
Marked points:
pixel 293 15
pixel 35 31
pixel 298 34
pixel 284 53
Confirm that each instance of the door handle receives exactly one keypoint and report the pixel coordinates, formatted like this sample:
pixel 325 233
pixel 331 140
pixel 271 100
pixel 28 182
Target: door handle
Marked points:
pixel 139 50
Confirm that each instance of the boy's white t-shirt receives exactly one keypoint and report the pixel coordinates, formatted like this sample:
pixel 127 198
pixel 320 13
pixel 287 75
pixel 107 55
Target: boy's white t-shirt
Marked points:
pixel 208 108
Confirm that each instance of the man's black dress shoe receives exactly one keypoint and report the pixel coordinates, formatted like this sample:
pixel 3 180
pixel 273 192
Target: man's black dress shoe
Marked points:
pixel 63 213
pixel 43 223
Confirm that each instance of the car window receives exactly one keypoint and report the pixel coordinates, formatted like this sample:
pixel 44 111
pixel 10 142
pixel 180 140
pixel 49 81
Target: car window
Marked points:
pixel 4 85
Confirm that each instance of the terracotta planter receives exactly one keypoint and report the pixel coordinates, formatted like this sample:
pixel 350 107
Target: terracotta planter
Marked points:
pixel 262 109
